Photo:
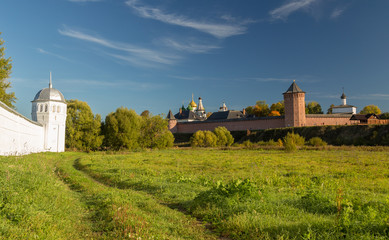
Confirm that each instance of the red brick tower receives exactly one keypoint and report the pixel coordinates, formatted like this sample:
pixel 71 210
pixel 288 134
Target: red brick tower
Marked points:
pixel 172 122
pixel 294 99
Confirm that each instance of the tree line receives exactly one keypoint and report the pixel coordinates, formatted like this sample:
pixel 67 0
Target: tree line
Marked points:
pixel 262 109
pixel 123 129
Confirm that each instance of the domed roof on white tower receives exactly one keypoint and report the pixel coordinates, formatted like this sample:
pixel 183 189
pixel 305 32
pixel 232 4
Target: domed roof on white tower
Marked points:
pixel 49 94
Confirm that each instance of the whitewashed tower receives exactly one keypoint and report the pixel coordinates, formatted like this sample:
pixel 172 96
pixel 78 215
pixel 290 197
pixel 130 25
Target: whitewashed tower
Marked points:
pixel 49 109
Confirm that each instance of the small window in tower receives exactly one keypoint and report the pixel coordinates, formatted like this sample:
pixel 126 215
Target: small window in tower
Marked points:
pixel 59 109
pixel 53 108
pixel 41 108
pixel 46 108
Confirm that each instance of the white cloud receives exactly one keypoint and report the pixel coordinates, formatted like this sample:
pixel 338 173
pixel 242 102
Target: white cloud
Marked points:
pixel 137 54
pixel 82 1
pixel 128 84
pixel 215 29
pixel 336 13
pixel 285 10
pixel 42 51
pixel 190 47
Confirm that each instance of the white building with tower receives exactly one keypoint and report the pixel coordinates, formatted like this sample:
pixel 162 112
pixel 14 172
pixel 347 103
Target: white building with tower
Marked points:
pixel 344 108
pixel 44 133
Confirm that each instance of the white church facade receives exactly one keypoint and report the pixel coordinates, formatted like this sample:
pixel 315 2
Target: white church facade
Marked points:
pixel 44 133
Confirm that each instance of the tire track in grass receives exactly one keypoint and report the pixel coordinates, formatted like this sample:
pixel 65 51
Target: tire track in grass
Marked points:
pixel 128 214
pixel 175 207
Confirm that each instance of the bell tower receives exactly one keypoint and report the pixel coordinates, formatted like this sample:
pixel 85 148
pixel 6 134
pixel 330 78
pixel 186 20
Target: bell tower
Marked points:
pixel 49 109
pixel 294 99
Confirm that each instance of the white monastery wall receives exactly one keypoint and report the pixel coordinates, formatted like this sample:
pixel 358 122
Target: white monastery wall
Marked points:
pixel 18 134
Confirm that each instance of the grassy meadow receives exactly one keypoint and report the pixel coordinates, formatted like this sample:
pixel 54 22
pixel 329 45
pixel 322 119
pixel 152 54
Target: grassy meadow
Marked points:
pixel 196 194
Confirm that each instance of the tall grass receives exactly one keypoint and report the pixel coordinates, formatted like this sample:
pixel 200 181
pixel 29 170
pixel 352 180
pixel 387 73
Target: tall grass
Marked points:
pixel 241 194
pixel 292 196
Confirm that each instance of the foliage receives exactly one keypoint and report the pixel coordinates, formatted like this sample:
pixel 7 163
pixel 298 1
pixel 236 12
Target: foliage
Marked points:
pixel 82 127
pixel 203 139
pixel 313 108
pixel 371 109
pixel 279 107
pixel 145 113
pixel 329 111
pixel 274 113
pixel 260 109
pixel 317 142
pixel 121 129
pixel 5 71
pixel 385 115
pixel 224 137
pixel 155 133
pixel 292 141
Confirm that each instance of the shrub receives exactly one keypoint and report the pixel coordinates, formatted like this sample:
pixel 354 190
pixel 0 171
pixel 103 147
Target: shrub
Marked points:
pixel 203 139
pixel 316 142
pixel 224 137
pixel 292 140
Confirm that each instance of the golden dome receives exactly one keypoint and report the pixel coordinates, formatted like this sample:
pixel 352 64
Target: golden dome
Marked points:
pixel 193 104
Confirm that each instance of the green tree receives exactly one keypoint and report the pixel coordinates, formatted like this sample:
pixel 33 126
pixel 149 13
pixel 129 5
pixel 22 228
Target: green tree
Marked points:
pixel 5 72
pixel 154 133
pixel 313 108
pixel 279 107
pixel 260 109
pixel 385 115
pixel 82 127
pixel 329 111
pixel 122 129
pixel 369 109
pixel 224 137
pixel 203 139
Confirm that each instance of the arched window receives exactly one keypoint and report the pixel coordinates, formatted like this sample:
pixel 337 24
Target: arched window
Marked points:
pixel 58 109
pixel 46 108
pixel 41 108
pixel 53 108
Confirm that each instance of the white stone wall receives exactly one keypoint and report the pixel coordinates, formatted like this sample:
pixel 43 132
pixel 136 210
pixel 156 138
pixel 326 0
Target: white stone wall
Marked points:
pixel 18 134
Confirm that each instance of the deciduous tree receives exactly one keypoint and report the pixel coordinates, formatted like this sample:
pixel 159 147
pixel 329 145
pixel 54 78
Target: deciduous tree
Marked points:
pixel 154 133
pixel 5 72
pixel 224 137
pixel 313 108
pixel 122 129
pixel 82 127
pixel 279 107
pixel 371 109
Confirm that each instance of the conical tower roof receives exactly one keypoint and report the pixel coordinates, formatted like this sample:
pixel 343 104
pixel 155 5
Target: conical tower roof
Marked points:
pixel 201 107
pixel 170 115
pixel 294 88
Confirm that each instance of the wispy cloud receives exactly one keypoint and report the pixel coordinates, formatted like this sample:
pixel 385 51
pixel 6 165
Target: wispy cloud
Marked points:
pixel 188 46
pixel 83 1
pixel 288 8
pixel 42 51
pixel 137 54
pixel 337 12
pixel 134 85
pixel 273 79
pixel 218 30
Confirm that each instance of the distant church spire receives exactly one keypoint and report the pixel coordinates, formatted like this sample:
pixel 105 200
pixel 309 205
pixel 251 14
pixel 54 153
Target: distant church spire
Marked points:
pixel 50 83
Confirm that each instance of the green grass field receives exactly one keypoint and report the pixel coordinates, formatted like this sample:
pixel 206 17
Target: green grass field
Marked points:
pixel 196 194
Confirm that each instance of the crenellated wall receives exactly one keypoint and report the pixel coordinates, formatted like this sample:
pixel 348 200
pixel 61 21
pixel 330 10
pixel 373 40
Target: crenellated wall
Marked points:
pixel 18 134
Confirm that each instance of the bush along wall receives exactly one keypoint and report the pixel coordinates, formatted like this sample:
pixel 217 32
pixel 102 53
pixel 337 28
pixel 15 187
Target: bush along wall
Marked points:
pixel 358 135
pixel 367 135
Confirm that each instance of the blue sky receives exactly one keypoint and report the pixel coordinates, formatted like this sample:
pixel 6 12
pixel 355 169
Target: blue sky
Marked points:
pixel 149 54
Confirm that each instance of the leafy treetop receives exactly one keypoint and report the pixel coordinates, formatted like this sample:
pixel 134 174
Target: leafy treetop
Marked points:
pixel 5 72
